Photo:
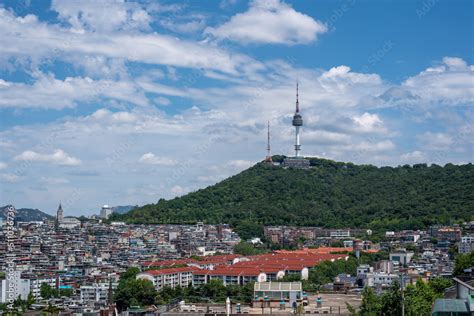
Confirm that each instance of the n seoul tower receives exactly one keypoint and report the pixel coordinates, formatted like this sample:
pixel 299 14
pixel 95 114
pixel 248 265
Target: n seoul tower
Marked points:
pixel 297 122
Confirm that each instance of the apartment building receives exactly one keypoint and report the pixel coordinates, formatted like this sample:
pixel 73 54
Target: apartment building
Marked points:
pixel 169 277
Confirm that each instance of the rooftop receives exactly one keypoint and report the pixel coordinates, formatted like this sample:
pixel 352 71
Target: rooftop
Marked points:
pixel 278 286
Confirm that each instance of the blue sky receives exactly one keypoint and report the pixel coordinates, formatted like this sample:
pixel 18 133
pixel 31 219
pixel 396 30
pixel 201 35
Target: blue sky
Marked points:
pixel 128 102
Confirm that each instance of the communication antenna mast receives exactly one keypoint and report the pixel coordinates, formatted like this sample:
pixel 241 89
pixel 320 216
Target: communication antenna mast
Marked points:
pixel 269 155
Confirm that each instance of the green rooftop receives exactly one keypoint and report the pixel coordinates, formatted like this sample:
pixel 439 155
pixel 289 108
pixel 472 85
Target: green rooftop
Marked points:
pixel 444 306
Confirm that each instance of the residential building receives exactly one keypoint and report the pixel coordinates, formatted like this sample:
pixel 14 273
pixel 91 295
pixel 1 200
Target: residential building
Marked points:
pixel 171 277
pixel 402 256
pixel 466 245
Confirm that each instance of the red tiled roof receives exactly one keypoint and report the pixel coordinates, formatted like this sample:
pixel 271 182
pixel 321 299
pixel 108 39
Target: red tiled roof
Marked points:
pixel 268 263
pixel 167 263
pixel 172 271
pixel 320 250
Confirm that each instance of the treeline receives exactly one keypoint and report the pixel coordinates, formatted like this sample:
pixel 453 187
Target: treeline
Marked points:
pixel 417 299
pixel 330 194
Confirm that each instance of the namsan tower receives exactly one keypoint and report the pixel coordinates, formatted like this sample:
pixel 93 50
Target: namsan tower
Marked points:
pixel 297 123
pixel 298 161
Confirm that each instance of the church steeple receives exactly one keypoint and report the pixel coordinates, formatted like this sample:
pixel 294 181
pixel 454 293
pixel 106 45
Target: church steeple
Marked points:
pixel 59 215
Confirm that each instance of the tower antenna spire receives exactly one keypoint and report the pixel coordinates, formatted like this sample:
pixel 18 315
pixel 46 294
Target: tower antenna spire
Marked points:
pixel 297 101
pixel 269 155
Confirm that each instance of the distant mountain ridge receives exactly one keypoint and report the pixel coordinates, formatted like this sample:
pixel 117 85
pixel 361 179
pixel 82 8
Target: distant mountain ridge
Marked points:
pixel 122 209
pixel 329 194
pixel 26 214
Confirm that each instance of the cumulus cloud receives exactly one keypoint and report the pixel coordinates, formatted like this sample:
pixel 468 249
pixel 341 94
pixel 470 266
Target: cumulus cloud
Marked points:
pixel 415 156
pixel 368 122
pixel 435 141
pixel 152 159
pixel 269 22
pixel 57 42
pixel 102 15
pixel 58 157
pixel 450 82
pixel 51 93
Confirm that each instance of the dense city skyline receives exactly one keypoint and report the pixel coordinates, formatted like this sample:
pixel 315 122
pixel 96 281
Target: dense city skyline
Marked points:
pixel 161 98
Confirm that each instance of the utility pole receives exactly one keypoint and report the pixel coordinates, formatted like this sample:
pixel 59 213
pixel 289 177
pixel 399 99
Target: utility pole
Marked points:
pixel 403 295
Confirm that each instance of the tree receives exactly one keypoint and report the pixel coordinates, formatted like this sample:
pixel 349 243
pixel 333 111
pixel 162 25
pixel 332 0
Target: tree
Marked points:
pixel 30 300
pixel 391 301
pixel 215 290
pixel 65 292
pixel 325 271
pixel 370 305
pixel 248 229
pixel 135 292
pixel 419 299
pixel 50 309
pixel 439 285
pixel 246 249
pixel 47 292
pixel 131 291
pixel 131 273
pixel 463 262
pixel 330 194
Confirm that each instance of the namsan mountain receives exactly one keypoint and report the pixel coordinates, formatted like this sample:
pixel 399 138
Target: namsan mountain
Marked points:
pixel 329 194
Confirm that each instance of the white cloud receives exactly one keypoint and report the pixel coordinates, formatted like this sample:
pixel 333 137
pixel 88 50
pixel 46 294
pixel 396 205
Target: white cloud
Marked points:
pixel 126 117
pixel 178 190
pixel 58 157
pixel 271 22
pixel 3 165
pixel 51 93
pixel 435 141
pixel 240 164
pixel 455 63
pixel 184 27
pixel 368 122
pixel 52 180
pixel 413 157
pixel 162 101
pixel 368 146
pixel 150 158
pixel 102 15
pixel 450 83
pixel 10 177
pixel 42 41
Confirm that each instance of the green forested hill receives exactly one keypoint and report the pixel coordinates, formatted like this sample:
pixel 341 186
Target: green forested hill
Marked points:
pixel 330 194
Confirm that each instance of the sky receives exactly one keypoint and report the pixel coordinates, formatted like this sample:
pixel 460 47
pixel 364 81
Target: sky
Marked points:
pixel 124 103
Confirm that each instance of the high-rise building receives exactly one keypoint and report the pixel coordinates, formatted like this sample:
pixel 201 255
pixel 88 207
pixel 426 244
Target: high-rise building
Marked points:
pixel 105 212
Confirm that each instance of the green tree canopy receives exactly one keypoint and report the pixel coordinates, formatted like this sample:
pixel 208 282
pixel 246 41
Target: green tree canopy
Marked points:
pixel 330 194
